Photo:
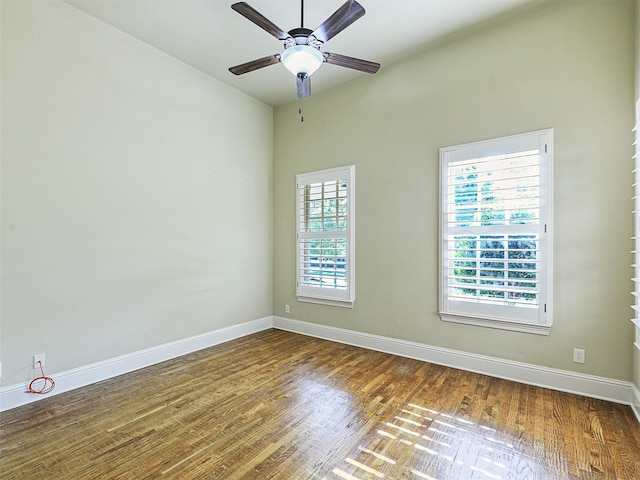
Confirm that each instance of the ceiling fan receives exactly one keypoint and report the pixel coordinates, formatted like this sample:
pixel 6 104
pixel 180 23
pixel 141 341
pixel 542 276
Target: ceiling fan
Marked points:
pixel 302 55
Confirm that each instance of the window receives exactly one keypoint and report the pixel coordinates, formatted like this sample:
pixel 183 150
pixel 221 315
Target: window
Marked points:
pixel 496 233
pixel 325 236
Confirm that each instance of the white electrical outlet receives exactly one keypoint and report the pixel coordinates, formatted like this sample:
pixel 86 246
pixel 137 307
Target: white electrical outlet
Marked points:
pixel 578 355
pixel 38 358
pixel 287 309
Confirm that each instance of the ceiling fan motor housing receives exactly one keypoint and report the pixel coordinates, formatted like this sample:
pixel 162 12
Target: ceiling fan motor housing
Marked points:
pixel 302 36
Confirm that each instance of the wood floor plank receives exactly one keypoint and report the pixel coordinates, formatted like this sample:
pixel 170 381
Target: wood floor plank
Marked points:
pixel 277 405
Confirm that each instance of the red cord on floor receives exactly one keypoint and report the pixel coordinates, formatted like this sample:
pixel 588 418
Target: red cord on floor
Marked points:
pixel 47 382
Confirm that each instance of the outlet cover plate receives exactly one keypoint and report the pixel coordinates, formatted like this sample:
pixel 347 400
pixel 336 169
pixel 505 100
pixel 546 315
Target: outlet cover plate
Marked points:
pixel 38 358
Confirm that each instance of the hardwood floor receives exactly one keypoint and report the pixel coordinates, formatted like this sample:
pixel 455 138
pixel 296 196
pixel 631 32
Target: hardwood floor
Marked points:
pixel 285 406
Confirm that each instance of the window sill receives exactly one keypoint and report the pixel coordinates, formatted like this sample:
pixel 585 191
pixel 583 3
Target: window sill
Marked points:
pixel 536 329
pixel 326 301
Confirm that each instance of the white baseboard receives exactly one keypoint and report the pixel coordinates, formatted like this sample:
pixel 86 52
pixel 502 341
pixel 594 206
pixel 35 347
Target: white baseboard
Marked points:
pixel 588 385
pixel 17 395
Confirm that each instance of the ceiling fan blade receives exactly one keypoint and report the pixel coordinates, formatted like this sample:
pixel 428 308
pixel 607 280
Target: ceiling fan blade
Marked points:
pixel 247 11
pixel 351 62
pixel 255 64
pixel 348 13
pixel 304 86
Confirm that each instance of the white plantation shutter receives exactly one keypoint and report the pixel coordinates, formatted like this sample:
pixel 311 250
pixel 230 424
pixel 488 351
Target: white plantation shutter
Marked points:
pixel 495 267
pixel 636 239
pixel 325 247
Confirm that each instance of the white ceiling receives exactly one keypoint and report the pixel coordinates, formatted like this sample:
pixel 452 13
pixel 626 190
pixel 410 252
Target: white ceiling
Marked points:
pixel 210 36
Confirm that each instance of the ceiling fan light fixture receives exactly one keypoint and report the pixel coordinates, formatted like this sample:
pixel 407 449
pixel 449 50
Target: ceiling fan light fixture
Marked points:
pixel 302 60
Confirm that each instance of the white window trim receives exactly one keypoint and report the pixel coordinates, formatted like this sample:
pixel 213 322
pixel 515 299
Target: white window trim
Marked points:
pixel 485 148
pixel 345 298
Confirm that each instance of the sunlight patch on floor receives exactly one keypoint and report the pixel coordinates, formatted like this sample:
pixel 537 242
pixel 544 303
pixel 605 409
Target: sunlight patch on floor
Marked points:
pixel 422 443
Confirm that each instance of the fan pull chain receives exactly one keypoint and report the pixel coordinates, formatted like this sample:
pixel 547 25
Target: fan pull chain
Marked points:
pixel 301 109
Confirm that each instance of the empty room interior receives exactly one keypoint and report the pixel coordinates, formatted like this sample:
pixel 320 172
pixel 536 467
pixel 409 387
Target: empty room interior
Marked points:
pixel 426 271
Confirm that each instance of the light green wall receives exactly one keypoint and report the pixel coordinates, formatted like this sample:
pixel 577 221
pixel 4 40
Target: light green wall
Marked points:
pixel 134 210
pixel 565 65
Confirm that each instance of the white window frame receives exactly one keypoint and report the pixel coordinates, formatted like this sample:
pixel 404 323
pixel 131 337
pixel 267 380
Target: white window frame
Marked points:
pixel 536 317
pixel 342 292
